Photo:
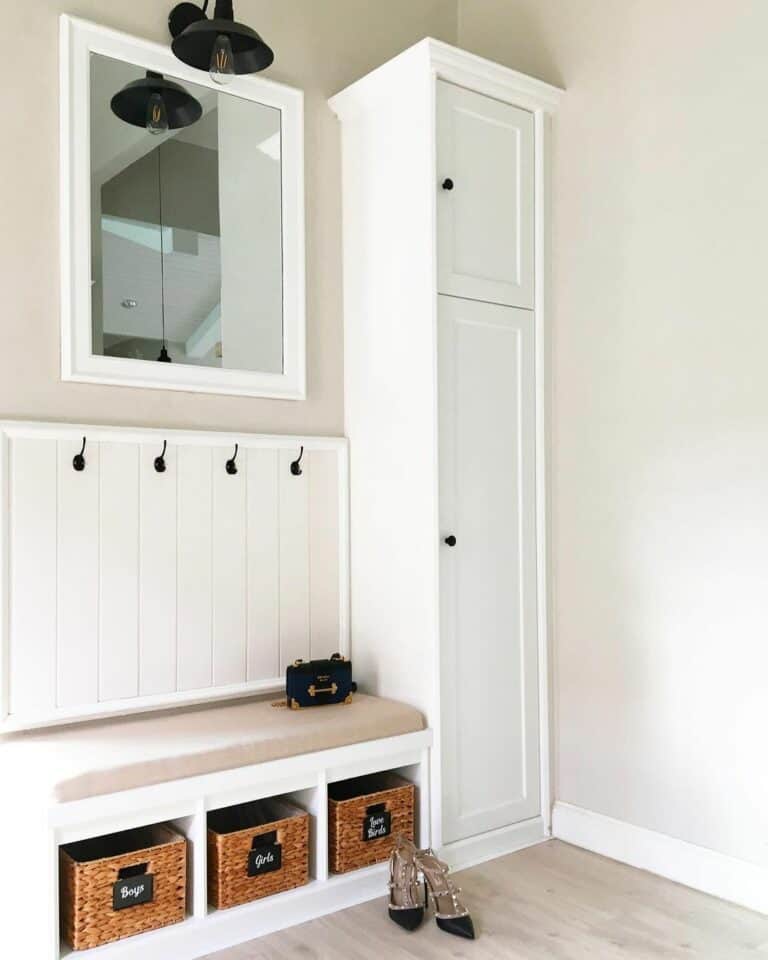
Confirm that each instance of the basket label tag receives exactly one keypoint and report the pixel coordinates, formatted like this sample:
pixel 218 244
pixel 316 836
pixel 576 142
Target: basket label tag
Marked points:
pixel 265 859
pixel 377 825
pixel 133 891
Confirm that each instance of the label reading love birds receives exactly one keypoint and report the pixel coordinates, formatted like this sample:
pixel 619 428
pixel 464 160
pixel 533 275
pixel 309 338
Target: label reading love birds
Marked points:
pixel 377 825
pixel 265 859
pixel 133 891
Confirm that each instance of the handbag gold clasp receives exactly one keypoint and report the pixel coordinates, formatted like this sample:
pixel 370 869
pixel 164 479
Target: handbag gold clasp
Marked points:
pixel 313 690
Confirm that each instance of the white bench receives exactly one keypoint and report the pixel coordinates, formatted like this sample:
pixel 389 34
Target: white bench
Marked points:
pixel 97 779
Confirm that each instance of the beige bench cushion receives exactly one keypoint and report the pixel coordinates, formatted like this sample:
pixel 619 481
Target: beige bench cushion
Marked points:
pixel 98 758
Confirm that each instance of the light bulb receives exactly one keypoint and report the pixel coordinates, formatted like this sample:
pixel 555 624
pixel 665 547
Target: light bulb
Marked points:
pixel 222 60
pixel 157 115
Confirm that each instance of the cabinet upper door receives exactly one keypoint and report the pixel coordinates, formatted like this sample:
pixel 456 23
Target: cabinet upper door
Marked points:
pixel 485 169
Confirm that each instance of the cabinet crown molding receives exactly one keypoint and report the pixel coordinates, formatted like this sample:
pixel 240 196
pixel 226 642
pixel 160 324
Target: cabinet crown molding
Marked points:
pixel 442 60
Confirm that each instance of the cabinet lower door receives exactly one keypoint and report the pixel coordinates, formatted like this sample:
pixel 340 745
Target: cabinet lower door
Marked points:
pixel 489 644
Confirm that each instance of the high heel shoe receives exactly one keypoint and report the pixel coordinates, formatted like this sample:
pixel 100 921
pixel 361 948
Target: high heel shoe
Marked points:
pixel 405 906
pixel 450 914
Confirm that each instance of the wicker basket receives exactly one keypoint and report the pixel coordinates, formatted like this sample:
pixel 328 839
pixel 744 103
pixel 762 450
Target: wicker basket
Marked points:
pixel 364 817
pixel 98 907
pixel 256 850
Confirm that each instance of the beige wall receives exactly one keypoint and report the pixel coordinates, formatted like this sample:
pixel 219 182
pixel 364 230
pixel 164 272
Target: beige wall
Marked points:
pixel 320 47
pixel 659 356
pixel 660 404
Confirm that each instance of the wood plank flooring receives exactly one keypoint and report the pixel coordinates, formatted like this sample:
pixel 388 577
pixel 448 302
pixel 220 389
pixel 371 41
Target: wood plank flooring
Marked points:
pixel 551 901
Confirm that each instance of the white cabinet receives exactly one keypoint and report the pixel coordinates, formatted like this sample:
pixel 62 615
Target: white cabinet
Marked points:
pixel 485 154
pixel 489 649
pixel 444 322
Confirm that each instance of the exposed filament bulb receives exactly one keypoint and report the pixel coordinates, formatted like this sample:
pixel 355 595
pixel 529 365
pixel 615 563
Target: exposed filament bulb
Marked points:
pixel 222 61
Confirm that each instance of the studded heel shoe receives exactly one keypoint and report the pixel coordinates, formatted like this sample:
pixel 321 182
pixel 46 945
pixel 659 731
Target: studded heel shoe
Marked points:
pixel 450 914
pixel 406 907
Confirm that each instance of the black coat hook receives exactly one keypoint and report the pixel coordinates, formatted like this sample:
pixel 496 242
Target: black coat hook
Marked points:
pixel 296 465
pixel 160 464
pixel 78 461
pixel 231 464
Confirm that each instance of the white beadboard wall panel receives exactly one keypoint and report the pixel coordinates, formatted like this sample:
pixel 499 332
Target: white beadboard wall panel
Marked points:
pixel 119 566
pixel 77 639
pixel 195 569
pixel 324 566
pixel 263 585
pixel 32 504
pixel 229 575
pixel 294 561
pixel 126 589
pixel 157 572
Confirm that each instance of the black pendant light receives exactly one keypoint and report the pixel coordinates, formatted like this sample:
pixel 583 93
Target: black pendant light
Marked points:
pixel 222 46
pixel 157 104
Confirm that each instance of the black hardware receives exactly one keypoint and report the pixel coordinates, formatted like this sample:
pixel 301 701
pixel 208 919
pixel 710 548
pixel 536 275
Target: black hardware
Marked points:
pixel 448 184
pixel 160 464
pixel 450 541
pixel 231 464
pixel 184 15
pixel 78 461
pixel 296 465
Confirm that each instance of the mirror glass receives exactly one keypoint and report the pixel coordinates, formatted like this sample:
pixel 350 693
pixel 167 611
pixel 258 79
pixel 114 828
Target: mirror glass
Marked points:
pixel 186 230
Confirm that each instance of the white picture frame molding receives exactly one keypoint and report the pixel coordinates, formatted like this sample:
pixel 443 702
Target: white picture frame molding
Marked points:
pixel 79 39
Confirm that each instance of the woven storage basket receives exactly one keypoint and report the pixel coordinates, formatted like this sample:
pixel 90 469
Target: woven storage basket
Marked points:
pixel 234 834
pixel 362 808
pixel 90 869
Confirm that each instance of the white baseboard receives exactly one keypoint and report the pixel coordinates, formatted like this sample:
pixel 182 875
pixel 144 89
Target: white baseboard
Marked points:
pixel 488 846
pixel 715 873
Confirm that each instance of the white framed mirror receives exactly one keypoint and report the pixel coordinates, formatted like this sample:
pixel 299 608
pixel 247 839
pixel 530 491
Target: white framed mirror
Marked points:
pixel 182 245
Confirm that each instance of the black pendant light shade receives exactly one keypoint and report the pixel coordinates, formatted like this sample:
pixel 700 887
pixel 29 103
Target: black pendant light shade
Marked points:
pixel 179 107
pixel 196 37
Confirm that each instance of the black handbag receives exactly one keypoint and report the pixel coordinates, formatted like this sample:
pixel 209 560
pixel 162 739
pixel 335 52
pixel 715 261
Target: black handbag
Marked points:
pixel 317 683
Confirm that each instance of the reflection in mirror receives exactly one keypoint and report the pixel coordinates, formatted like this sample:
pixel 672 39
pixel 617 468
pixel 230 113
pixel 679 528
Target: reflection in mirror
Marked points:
pixel 186 231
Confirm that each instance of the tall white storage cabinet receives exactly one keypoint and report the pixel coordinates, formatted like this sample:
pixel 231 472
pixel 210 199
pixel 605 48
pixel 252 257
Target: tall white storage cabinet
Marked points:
pixel 445 211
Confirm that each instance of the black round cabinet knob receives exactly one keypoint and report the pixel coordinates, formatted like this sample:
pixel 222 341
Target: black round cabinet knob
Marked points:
pixel 448 184
pixel 451 541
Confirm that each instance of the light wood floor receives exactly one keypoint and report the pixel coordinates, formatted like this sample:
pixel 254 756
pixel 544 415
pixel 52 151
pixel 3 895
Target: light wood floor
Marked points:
pixel 551 901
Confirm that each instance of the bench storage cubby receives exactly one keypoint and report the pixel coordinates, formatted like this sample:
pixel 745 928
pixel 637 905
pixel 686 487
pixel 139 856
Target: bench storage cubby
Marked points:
pixel 256 850
pixel 120 885
pixel 187 770
pixel 365 815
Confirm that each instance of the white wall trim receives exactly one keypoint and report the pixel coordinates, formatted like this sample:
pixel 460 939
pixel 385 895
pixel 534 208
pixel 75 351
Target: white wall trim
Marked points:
pixel 493 79
pixel 702 869
pixel 78 40
pixel 543 580
pixel 456 66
